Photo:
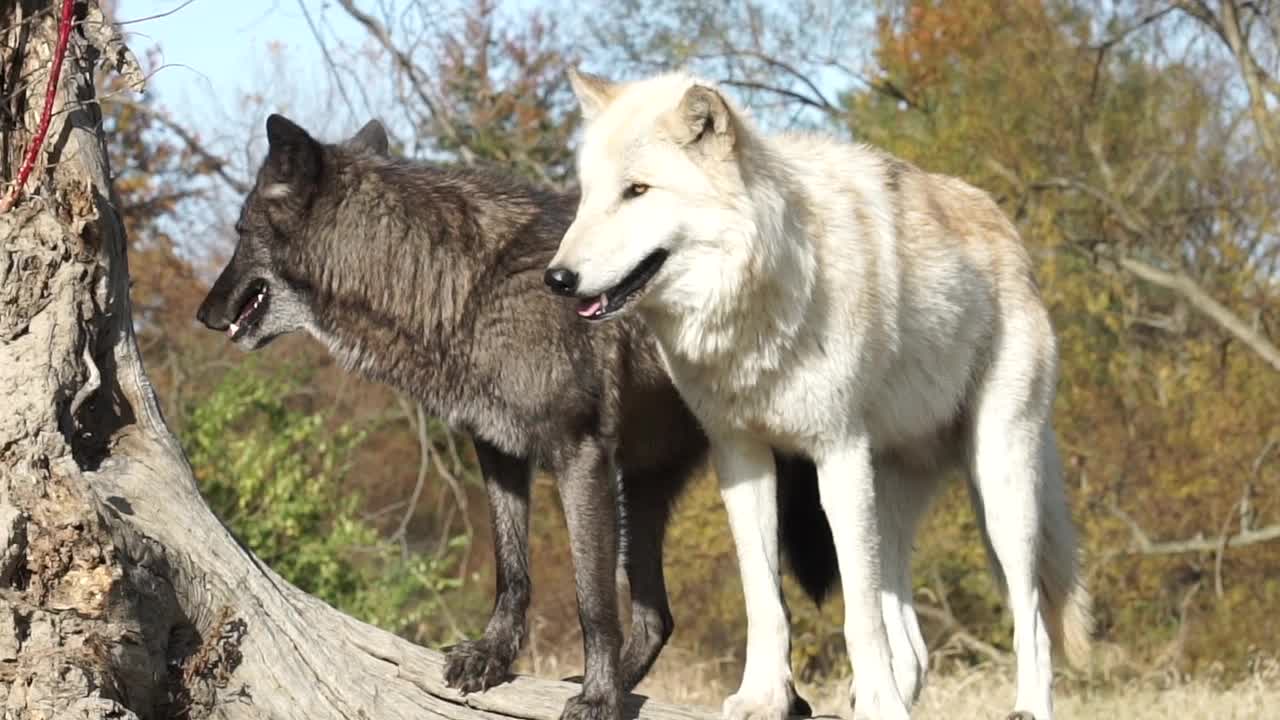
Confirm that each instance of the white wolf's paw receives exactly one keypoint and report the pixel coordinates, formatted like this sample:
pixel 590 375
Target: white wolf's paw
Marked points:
pixel 871 705
pixel 757 704
pixel 909 677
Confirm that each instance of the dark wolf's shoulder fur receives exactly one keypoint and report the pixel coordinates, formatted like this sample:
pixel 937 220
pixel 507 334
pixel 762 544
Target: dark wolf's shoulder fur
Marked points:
pixel 429 278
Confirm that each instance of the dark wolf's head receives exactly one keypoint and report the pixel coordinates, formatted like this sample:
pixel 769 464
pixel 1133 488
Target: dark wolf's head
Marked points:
pixel 251 300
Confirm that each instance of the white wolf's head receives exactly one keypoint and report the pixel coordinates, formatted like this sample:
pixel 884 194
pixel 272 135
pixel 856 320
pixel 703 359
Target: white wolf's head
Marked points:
pixel 663 197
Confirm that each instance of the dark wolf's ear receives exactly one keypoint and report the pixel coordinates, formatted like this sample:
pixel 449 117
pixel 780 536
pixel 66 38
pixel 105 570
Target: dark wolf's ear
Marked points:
pixel 704 120
pixel 594 92
pixel 293 158
pixel 372 138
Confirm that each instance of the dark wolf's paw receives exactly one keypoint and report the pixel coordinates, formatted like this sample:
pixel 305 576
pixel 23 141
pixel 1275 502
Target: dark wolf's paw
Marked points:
pixel 476 665
pixel 580 707
pixel 1020 715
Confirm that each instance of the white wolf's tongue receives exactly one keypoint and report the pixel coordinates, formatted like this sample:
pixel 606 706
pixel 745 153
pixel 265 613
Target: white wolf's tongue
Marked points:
pixel 593 306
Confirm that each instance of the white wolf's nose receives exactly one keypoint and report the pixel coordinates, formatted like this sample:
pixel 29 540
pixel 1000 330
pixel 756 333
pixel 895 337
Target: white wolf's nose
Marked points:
pixel 562 281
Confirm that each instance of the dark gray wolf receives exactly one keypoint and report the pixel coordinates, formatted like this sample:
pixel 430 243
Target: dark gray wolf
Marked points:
pixel 430 279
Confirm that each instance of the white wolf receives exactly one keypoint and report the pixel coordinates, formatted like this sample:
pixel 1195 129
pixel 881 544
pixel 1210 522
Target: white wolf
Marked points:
pixel 828 299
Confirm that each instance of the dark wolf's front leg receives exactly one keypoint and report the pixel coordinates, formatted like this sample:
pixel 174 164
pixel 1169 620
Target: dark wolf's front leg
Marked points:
pixel 646 502
pixel 478 664
pixel 588 494
pixel 646 506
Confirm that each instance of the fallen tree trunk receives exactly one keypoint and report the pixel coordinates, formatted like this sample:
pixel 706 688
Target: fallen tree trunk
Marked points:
pixel 121 595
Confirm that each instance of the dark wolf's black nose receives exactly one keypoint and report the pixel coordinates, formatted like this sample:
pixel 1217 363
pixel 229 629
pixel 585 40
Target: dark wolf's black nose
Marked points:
pixel 562 281
pixel 203 316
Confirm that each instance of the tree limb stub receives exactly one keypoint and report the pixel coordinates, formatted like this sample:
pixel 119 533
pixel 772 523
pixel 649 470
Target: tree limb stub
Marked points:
pixel 1175 281
pixel 1144 545
pixel 1203 302
pixel 120 592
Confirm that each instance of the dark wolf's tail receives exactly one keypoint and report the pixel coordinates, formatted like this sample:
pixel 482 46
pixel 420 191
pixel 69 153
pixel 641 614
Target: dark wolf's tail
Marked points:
pixel 803 530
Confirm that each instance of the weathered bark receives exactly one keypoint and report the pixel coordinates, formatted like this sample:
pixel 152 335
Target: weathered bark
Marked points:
pixel 121 595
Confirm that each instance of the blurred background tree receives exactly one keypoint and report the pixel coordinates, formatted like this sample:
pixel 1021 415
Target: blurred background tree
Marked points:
pixel 1135 145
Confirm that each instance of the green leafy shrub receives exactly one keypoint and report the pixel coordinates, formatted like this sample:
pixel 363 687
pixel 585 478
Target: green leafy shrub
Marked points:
pixel 274 475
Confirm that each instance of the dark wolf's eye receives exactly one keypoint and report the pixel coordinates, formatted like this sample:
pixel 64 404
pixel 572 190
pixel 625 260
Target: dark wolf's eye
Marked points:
pixel 634 190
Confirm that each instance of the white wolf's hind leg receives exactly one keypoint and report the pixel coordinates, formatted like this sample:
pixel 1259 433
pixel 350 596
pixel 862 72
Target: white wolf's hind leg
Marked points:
pixel 847 488
pixel 902 496
pixel 747 486
pixel 1006 449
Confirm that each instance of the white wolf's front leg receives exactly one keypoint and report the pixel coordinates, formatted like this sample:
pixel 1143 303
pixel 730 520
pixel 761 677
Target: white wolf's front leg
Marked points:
pixel 847 489
pixel 747 486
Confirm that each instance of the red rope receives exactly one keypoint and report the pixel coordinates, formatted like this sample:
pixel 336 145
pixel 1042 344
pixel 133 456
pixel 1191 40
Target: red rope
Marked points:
pixel 51 91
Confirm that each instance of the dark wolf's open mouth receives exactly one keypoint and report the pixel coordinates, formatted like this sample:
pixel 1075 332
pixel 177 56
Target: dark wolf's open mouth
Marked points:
pixel 613 300
pixel 252 309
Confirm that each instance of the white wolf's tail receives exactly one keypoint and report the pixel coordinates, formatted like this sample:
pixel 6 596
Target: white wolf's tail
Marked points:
pixel 1063 594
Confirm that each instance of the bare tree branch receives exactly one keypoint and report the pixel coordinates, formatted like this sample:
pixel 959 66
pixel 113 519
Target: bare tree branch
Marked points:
pixel 777 90
pixel 416 415
pixel 1132 222
pixel 1190 291
pixel 1175 648
pixel 1254 79
pixel 817 99
pixel 418 421
pixel 215 161
pixel 439 114
pixel 1228 28
pixel 328 59
pixel 1178 282
pixel 153 204
pixel 957 633
pixel 1241 509
pixel 1142 544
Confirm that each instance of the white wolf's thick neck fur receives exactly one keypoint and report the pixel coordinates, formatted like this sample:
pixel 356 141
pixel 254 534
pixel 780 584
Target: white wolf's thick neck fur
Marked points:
pixel 767 270
pixel 763 255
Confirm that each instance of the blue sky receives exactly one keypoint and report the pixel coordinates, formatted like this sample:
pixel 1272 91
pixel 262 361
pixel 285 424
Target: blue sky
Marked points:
pixel 213 50
pixel 205 56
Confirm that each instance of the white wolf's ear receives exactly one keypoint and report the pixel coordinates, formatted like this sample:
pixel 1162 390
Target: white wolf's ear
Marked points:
pixel 594 92
pixel 372 138
pixel 704 119
pixel 293 158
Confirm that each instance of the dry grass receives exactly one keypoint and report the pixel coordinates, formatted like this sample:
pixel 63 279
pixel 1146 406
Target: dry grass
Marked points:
pixel 986 693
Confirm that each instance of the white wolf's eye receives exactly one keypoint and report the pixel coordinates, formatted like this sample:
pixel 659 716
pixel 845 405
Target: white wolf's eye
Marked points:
pixel 634 190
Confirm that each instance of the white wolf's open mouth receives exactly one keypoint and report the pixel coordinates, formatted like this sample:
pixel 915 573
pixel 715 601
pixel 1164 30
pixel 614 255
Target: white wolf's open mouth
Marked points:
pixel 612 301
pixel 251 309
